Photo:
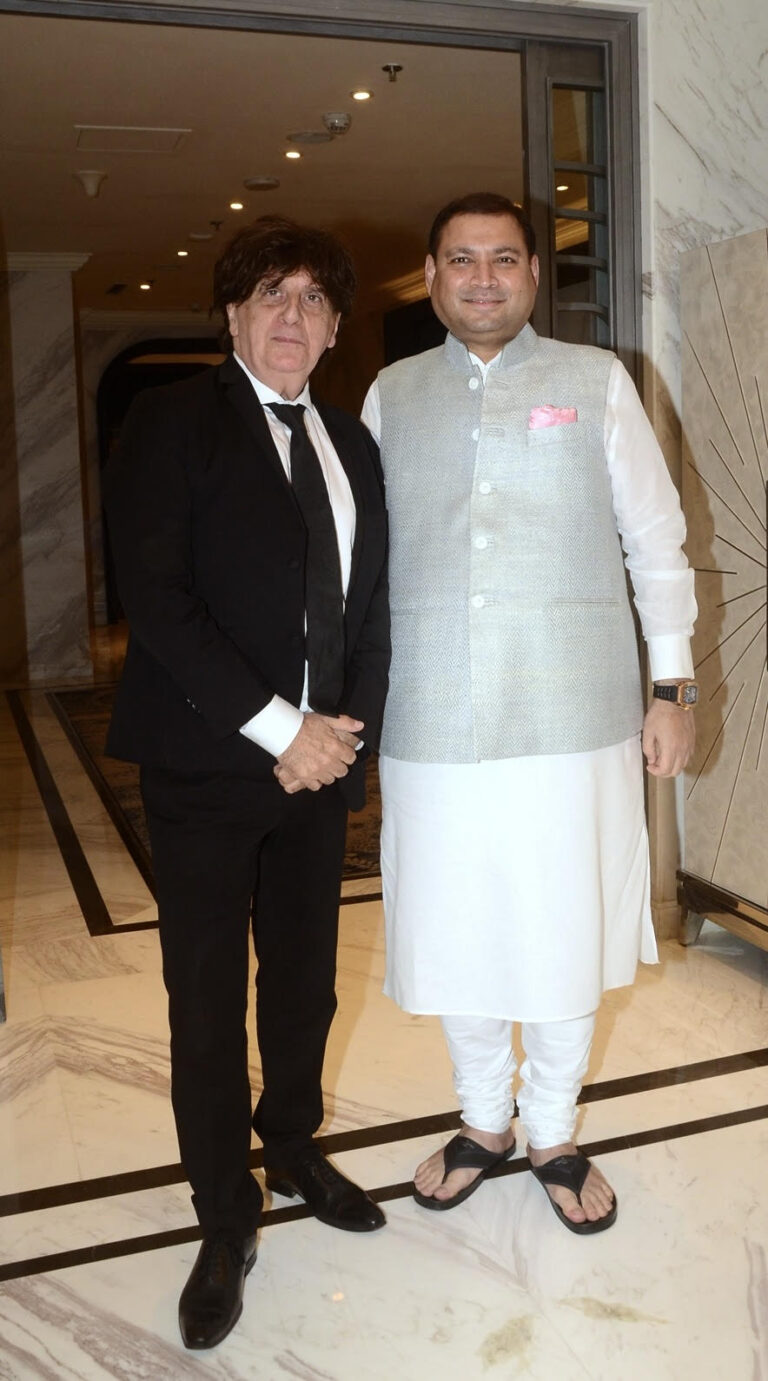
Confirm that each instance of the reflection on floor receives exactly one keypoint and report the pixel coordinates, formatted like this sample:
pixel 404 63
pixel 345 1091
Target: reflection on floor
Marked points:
pixel 98 1234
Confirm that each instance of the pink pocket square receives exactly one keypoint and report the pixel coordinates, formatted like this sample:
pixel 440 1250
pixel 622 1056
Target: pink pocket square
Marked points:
pixel 547 416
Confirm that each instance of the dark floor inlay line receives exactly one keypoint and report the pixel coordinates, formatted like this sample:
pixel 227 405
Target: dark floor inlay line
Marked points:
pixel 160 1176
pixel 133 845
pixel 363 1138
pixel 85 887
pixel 98 1251
pixel 108 1251
pixel 677 1074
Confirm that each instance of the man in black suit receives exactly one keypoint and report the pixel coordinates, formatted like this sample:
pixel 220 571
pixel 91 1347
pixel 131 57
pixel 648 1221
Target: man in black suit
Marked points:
pixel 249 535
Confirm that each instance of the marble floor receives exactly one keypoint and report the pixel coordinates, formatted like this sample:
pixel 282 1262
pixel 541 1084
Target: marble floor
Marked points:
pixel 97 1233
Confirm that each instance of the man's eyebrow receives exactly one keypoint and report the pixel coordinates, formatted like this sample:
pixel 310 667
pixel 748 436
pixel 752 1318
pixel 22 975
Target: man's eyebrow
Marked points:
pixel 470 249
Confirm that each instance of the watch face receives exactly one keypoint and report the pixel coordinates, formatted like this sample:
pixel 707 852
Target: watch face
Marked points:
pixel 690 695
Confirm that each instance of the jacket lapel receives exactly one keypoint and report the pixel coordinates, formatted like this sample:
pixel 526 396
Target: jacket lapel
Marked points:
pixel 239 392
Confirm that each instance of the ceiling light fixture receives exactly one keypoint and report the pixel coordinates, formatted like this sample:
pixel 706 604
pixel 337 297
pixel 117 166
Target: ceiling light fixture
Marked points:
pixel 90 179
pixel 235 206
pixel 145 287
pixel 361 94
pixel 392 69
pixel 292 153
pixel 337 121
pixel 562 187
pixel 182 253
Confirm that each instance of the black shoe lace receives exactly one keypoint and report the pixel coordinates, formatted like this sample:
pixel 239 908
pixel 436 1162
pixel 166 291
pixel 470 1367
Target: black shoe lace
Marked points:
pixel 325 1171
pixel 216 1261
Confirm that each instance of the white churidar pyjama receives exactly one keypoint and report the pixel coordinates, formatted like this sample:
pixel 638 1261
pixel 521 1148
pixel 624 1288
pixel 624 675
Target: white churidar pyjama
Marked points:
pixel 556 1059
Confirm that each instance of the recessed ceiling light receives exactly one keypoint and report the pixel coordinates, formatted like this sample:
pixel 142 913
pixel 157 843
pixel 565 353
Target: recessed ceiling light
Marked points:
pixel 235 206
pixel 292 153
pixel 182 253
pixel 361 94
pixel 562 187
pixel 200 235
pixel 145 287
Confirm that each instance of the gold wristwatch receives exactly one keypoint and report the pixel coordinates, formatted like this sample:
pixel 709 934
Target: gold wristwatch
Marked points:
pixel 684 694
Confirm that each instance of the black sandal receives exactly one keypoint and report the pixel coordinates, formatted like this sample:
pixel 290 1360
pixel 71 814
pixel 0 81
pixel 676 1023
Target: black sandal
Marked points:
pixel 461 1153
pixel 570 1172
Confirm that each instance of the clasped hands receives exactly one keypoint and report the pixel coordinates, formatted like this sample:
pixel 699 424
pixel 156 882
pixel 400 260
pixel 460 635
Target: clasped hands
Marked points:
pixel 322 751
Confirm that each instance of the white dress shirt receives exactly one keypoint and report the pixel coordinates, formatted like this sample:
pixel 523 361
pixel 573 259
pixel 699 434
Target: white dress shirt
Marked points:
pixel 277 725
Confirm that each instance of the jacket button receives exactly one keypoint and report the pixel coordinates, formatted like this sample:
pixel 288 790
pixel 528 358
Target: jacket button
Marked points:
pixel 296 640
pixel 293 564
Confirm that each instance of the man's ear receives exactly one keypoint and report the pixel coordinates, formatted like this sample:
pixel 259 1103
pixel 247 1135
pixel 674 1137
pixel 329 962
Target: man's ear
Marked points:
pixel 430 269
pixel 334 332
pixel 535 268
pixel 232 318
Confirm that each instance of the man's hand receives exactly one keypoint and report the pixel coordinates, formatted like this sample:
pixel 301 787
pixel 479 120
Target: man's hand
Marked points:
pixel 322 751
pixel 669 735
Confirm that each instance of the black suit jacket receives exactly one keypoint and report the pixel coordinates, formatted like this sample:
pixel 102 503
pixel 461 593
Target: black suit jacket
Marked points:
pixel 209 549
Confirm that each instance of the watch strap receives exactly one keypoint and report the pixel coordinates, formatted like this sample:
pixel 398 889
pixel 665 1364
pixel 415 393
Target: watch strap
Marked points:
pixel 685 694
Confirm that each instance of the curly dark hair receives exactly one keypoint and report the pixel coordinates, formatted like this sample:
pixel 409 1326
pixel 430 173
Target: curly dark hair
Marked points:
pixel 481 204
pixel 272 248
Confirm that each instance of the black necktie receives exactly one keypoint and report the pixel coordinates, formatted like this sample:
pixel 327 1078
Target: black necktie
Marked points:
pixel 324 600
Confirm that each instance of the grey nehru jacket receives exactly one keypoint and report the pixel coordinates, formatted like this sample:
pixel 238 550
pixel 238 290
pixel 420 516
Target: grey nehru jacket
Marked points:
pixel 512 632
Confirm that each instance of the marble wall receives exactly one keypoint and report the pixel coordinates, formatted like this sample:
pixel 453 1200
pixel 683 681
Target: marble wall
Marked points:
pixel 706 179
pixel 45 603
pixel 725 453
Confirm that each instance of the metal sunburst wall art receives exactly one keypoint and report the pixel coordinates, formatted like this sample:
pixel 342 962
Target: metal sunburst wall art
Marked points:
pixel 725 465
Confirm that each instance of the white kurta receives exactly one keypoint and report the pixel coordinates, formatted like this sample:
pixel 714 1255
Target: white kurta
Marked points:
pixel 520 888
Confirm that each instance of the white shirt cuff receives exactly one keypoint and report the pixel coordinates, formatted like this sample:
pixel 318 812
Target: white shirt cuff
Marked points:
pixel 274 727
pixel 669 655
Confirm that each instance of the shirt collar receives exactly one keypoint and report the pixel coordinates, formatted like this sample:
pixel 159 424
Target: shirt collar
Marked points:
pixel 267 395
pixel 484 365
pixel 515 351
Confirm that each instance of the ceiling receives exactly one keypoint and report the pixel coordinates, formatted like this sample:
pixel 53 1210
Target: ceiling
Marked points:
pixel 449 124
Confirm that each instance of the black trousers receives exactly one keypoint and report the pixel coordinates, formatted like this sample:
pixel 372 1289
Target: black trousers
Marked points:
pixel 232 855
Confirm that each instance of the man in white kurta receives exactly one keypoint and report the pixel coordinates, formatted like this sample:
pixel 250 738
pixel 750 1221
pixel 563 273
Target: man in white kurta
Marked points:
pixel 514 849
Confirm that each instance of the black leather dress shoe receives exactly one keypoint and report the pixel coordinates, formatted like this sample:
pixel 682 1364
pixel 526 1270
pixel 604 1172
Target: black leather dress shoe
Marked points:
pixel 330 1195
pixel 212 1299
